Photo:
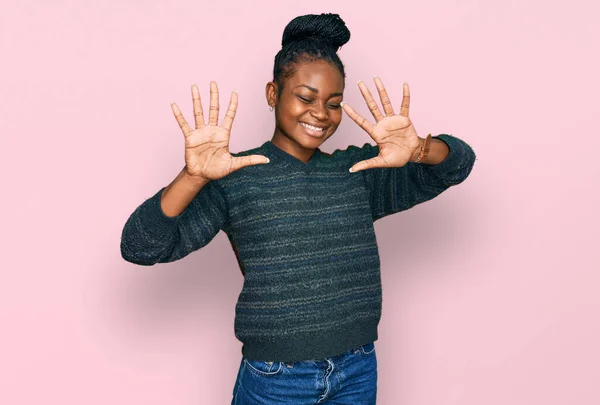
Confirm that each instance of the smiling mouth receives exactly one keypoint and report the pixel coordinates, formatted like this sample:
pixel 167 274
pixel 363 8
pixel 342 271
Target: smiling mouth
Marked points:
pixel 313 128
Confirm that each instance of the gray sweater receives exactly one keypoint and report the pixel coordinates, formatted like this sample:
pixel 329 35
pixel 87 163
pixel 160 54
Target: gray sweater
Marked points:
pixel 304 239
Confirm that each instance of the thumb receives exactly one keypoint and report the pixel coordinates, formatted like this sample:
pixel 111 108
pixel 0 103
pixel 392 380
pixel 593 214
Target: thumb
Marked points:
pixel 243 161
pixel 372 163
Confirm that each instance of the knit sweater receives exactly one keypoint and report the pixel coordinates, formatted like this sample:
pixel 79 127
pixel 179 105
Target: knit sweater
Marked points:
pixel 304 239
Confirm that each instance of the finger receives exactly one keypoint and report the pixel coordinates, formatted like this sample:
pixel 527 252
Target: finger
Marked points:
pixel 213 115
pixel 185 128
pixel 372 163
pixel 356 117
pixel 198 113
pixel 405 100
pixel 385 100
pixel 371 103
pixel 230 114
pixel 243 161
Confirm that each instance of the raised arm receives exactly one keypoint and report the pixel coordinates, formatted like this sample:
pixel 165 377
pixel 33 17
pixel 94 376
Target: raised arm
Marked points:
pixel 151 236
pixel 188 213
pixel 404 169
pixel 396 189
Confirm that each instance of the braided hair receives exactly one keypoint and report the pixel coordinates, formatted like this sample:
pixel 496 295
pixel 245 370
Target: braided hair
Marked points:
pixel 308 38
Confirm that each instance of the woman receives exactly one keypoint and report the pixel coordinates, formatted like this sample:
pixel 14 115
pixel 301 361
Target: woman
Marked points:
pixel 300 221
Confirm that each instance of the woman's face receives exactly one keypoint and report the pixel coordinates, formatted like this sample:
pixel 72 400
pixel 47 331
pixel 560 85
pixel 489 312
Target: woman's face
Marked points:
pixel 308 110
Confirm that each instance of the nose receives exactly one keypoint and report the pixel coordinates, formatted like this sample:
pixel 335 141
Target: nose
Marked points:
pixel 319 111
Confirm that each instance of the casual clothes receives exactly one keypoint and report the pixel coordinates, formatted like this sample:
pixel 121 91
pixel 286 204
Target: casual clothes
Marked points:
pixel 304 238
pixel 348 378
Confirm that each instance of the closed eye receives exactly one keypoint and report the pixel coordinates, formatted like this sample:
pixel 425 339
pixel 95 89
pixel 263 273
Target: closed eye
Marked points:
pixel 307 101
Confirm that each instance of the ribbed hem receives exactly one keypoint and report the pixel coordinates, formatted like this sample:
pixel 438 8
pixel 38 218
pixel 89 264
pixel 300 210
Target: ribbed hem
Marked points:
pixel 313 345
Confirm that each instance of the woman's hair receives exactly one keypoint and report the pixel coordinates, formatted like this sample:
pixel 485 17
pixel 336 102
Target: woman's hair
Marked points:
pixel 308 38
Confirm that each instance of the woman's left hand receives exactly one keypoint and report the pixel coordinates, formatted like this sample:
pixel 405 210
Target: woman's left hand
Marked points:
pixel 394 134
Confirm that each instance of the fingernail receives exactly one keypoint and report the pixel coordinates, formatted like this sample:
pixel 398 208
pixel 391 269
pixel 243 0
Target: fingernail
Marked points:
pixel 351 171
pixel 342 103
pixel 267 160
pixel 375 77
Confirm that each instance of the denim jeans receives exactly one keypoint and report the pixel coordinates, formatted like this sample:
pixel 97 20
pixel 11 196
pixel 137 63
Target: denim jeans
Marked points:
pixel 349 378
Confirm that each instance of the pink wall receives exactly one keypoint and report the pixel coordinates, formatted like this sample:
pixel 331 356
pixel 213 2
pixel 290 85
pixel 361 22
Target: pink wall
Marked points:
pixel 490 290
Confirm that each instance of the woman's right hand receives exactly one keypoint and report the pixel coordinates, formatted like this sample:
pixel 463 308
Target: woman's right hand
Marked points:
pixel 207 147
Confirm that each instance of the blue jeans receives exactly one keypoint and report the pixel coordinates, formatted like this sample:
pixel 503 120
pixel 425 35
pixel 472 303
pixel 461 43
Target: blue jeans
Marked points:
pixel 349 378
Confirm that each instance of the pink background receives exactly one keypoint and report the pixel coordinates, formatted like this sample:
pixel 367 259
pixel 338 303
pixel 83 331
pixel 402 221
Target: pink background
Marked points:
pixel 490 290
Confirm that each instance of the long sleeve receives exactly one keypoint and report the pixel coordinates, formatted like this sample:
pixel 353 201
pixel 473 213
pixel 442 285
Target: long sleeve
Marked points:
pixel 149 236
pixel 392 190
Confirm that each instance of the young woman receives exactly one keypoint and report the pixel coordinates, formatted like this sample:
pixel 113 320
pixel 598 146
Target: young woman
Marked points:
pixel 299 220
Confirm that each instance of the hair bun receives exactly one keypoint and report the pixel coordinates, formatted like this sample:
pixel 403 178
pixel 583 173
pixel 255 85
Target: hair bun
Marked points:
pixel 326 28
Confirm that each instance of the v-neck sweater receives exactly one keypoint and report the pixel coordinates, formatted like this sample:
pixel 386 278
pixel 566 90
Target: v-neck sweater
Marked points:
pixel 303 236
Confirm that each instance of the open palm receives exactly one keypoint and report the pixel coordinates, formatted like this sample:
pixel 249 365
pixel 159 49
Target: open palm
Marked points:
pixel 207 146
pixel 394 133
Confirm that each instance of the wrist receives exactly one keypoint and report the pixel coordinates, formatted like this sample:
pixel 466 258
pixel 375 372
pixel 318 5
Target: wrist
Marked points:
pixel 423 150
pixel 417 152
pixel 193 180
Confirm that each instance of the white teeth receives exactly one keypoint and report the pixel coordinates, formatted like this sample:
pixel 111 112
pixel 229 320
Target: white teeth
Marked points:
pixel 311 127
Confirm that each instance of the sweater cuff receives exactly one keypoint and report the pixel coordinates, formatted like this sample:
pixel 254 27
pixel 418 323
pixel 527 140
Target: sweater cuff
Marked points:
pixel 460 155
pixel 158 223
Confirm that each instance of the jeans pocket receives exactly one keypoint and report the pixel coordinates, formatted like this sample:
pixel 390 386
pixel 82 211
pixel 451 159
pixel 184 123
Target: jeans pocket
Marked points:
pixel 263 368
pixel 368 349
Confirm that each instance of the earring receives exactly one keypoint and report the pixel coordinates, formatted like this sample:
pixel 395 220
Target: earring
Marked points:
pixel 271 108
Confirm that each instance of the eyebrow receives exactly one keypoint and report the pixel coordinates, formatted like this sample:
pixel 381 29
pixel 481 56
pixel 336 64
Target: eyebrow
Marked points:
pixel 317 91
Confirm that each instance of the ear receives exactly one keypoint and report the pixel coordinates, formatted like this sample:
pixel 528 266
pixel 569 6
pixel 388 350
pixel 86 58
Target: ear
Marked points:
pixel 271 93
